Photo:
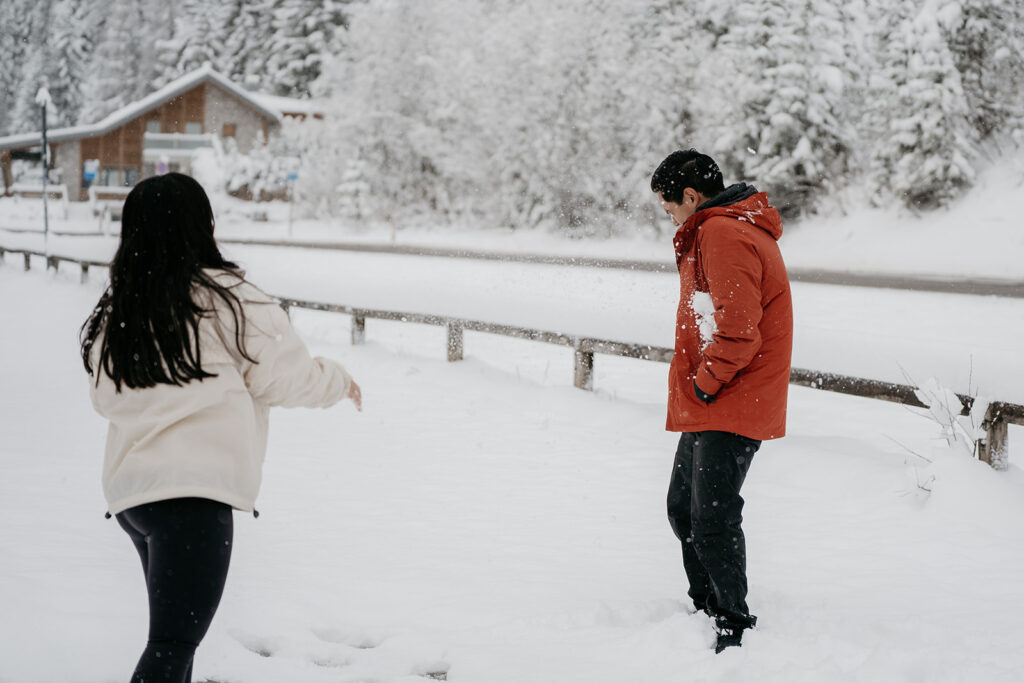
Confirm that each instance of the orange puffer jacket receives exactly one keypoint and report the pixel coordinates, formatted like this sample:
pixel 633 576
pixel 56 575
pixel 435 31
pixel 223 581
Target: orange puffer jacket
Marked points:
pixel 734 327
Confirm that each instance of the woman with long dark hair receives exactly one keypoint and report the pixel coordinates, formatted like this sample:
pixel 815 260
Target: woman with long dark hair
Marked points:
pixel 186 358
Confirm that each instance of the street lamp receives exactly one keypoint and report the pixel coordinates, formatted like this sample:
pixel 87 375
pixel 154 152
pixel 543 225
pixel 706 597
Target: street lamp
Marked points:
pixel 43 99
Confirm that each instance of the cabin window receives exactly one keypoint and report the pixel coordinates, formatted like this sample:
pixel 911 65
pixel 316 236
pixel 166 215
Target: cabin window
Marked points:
pixel 193 128
pixel 229 130
pixel 151 168
pixel 153 126
pixel 113 176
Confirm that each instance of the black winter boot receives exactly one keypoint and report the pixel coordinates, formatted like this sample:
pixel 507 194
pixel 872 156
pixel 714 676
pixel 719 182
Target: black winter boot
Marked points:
pixel 728 637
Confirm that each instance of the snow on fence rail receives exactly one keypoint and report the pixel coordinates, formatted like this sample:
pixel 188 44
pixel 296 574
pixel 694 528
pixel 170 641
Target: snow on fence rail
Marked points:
pixel 992 448
pixel 53 261
pixel 31 191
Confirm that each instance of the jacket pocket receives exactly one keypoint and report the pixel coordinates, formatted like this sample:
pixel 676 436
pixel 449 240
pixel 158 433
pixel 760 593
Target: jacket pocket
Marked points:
pixel 687 409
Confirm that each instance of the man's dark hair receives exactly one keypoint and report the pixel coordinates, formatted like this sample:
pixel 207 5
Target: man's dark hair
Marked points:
pixel 683 169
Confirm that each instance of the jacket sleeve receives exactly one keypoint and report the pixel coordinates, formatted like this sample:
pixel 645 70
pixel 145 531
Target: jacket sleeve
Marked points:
pixel 284 373
pixel 733 270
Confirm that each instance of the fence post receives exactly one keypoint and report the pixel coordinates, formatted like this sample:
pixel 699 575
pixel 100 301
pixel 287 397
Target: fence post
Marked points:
pixel 358 328
pixel 454 340
pixel 3 252
pixel 85 273
pixel 52 262
pixel 583 377
pixel 992 449
pixel 28 261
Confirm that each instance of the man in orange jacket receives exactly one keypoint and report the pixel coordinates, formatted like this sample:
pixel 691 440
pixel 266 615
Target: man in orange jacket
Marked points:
pixel 729 377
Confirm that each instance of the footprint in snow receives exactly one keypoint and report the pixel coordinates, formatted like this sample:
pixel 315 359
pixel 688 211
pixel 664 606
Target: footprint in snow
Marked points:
pixel 359 641
pixel 257 646
pixel 436 670
pixel 332 661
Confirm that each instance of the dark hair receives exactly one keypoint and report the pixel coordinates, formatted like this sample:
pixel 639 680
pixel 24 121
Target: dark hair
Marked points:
pixel 683 169
pixel 148 316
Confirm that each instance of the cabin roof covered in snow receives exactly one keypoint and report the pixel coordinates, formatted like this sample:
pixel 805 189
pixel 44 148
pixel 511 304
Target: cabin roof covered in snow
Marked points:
pixel 125 114
pixel 290 105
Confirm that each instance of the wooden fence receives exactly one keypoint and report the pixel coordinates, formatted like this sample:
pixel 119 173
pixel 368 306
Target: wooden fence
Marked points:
pixel 992 448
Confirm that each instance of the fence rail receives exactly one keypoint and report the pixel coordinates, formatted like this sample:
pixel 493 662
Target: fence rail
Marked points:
pixel 992 448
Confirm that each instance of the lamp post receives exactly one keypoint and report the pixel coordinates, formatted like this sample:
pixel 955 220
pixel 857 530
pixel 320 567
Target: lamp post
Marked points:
pixel 43 99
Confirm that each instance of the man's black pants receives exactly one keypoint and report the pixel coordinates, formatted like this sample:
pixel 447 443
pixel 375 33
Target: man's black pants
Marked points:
pixel 705 510
pixel 185 546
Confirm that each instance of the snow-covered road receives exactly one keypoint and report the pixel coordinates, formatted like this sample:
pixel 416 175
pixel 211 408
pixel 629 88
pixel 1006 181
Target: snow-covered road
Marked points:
pixel 486 521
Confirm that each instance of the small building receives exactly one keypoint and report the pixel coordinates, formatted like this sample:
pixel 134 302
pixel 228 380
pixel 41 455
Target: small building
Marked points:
pixel 159 133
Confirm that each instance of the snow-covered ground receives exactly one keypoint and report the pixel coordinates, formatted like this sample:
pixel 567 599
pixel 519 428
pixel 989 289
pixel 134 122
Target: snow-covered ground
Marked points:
pixel 485 522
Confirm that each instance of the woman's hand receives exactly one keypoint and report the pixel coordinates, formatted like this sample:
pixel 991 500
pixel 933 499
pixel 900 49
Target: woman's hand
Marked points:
pixel 356 395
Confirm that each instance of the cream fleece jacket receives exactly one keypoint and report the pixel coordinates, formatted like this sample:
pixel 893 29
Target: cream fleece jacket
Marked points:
pixel 208 439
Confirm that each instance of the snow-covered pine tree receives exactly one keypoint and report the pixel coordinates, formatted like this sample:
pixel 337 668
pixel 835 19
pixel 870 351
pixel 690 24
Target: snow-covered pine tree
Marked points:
pixel 166 46
pixel 13 47
pixel 73 40
pixel 26 111
pixel 989 55
pixel 636 99
pixel 567 113
pixel 29 55
pixel 198 39
pixel 489 114
pixel 668 52
pixel 729 83
pixel 11 51
pixel 502 91
pixel 570 126
pixel 804 150
pixel 115 75
pixel 247 27
pixel 854 102
pixel 156 33
pixel 923 142
pixel 302 33
pixel 665 52
pixel 453 134
pixel 379 83
pixel 780 69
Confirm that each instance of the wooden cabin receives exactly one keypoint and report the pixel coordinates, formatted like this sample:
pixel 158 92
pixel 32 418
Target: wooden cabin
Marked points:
pixel 162 132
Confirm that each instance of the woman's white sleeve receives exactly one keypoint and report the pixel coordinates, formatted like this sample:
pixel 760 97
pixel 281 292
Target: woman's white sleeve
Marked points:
pixel 284 373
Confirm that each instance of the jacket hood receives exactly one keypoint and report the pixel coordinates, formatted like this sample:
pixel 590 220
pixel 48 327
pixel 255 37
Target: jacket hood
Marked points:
pixel 742 202
pixel 730 195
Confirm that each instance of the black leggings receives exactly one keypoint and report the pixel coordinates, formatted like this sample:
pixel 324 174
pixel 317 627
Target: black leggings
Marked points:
pixel 185 546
